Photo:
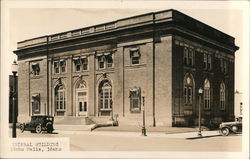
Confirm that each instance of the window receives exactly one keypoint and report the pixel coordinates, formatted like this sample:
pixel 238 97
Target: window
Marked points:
pixel 36 103
pixel 77 63
pixel 223 65
pixel 60 98
pixel 85 63
pixel 105 61
pixel 222 96
pixel 135 56
pixel 207 61
pixel 185 56
pixel 188 57
pixel 102 62
pixel 35 69
pixel 56 67
pixel 80 63
pixel 60 66
pixel 135 100
pixel 109 60
pixel 188 90
pixel 105 97
pixel 63 66
pixel 207 94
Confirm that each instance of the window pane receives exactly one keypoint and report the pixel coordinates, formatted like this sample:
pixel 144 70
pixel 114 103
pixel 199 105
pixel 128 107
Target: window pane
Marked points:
pixel 101 64
pixel 135 103
pixel 135 60
pixel 106 103
pixel 85 66
pixel 85 106
pixel 78 67
pixel 109 61
pixel 80 106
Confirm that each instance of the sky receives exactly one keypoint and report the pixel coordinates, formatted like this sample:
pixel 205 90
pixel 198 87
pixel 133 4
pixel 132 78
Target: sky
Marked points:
pixel 26 23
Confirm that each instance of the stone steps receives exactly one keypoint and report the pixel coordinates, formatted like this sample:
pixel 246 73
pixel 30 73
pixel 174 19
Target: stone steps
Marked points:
pixel 73 121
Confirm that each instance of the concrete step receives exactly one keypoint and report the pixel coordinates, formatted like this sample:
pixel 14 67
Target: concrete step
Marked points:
pixel 61 127
pixel 72 121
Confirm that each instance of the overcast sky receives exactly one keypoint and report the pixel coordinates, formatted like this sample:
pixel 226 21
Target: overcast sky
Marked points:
pixel 34 22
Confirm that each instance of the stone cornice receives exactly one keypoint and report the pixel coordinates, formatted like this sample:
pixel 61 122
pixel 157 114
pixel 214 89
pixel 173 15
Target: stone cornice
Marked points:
pixel 155 18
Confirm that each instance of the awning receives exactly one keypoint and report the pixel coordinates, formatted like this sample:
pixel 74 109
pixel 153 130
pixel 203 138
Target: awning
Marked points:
pixel 134 92
pixel 75 58
pixel 134 49
pixel 99 54
pixel 83 57
pixel 34 64
pixel 107 53
pixel 36 96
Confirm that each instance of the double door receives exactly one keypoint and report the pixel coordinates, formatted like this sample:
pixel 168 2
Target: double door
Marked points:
pixel 82 103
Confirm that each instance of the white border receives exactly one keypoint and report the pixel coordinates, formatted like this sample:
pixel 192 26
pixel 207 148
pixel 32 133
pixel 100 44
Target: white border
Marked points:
pixel 159 5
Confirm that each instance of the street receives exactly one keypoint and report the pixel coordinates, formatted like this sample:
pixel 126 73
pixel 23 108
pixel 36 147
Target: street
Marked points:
pixel 133 141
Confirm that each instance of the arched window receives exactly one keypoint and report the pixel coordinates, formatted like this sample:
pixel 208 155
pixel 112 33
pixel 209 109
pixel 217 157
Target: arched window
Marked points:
pixel 60 100
pixel 188 90
pixel 207 94
pixel 105 97
pixel 222 96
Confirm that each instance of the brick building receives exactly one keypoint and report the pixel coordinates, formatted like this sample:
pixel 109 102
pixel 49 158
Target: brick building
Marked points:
pixel 103 70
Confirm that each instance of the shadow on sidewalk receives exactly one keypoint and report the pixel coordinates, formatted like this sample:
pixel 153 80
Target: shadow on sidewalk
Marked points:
pixel 192 138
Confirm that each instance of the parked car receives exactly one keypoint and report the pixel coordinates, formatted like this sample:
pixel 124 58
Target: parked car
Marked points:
pixel 38 124
pixel 235 127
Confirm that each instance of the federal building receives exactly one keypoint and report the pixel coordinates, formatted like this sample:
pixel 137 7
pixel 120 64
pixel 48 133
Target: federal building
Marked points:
pixel 102 71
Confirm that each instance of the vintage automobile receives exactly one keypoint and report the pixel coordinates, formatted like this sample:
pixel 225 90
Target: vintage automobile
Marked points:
pixel 235 127
pixel 38 124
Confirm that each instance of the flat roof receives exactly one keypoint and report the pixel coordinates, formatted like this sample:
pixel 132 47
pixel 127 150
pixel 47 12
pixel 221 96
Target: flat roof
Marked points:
pixel 175 16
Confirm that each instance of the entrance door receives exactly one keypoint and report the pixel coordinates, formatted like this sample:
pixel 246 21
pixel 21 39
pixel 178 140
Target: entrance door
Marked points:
pixel 82 103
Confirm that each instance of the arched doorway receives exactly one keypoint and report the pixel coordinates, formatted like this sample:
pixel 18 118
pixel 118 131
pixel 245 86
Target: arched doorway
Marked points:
pixel 81 98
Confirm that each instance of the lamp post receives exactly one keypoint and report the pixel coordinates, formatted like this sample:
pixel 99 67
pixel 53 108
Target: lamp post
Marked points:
pixel 14 69
pixel 200 91
pixel 143 111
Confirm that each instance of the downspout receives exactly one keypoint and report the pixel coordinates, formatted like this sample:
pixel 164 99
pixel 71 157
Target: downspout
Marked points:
pixel 154 122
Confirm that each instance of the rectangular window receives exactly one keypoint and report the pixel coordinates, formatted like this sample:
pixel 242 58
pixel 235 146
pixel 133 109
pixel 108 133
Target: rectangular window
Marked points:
pixel 135 56
pixel 35 69
pixel 190 57
pixel 78 67
pixel 190 95
pixel 223 65
pixel 209 62
pixel 207 99
pixel 135 100
pixel 85 64
pixel 102 62
pixel 222 100
pixel 35 103
pixel 109 60
pixel 185 56
pixel 205 61
pixel 56 67
pixel 185 95
pixel 63 66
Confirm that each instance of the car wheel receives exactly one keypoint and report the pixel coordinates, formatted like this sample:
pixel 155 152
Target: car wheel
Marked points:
pixel 225 131
pixel 22 127
pixel 38 129
pixel 49 128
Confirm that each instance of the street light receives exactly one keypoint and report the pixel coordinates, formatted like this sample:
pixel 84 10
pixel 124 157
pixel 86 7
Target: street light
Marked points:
pixel 14 69
pixel 200 91
pixel 143 111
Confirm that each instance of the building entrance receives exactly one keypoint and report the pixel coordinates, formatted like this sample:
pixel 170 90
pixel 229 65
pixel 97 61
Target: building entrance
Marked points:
pixel 82 103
